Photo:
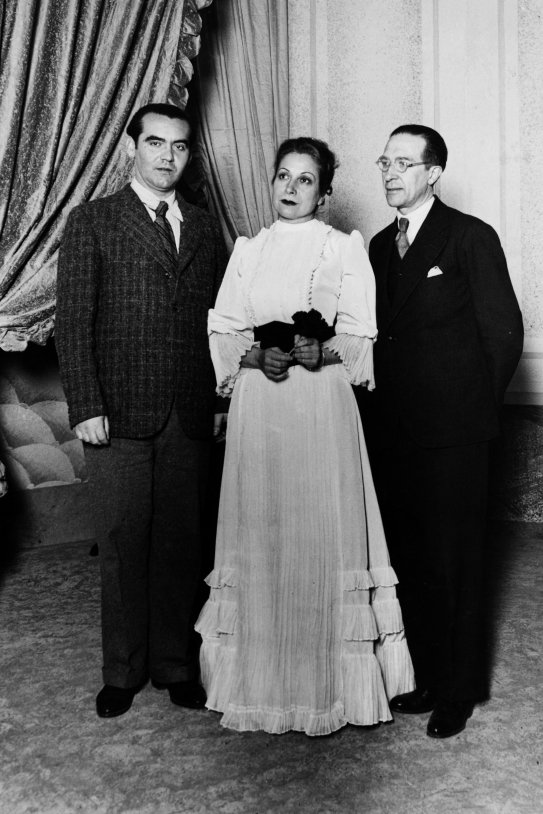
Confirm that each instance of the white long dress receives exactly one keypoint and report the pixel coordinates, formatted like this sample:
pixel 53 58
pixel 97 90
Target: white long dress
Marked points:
pixel 302 629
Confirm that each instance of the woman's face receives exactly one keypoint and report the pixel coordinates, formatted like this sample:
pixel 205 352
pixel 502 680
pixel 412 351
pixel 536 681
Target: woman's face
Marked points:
pixel 295 188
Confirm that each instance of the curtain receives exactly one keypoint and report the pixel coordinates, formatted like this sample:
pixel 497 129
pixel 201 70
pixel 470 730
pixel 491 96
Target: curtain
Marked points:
pixel 242 98
pixel 72 73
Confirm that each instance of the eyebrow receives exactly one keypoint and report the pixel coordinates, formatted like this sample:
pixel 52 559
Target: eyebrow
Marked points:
pixel 159 138
pixel 303 172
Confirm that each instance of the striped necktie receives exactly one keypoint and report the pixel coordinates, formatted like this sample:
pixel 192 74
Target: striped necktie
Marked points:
pixel 164 228
pixel 402 243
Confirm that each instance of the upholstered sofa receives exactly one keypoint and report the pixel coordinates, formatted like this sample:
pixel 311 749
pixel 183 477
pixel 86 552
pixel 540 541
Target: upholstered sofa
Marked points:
pixel 37 445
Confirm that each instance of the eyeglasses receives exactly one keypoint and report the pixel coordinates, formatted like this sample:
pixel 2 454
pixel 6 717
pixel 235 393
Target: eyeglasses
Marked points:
pixel 400 164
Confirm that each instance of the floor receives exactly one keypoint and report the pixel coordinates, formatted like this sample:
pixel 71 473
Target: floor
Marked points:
pixel 57 757
pixel 518 464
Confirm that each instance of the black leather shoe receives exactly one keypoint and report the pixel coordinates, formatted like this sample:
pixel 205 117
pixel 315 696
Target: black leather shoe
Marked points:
pixel 449 718
pixel 113 701
pixel 413 703
pixel 189 694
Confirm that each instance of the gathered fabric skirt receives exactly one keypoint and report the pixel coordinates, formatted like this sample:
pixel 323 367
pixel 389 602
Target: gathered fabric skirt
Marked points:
pixel 302 630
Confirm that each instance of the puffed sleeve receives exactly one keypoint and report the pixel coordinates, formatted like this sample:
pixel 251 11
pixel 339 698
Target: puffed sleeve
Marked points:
pixel 356 323
pixel 230 331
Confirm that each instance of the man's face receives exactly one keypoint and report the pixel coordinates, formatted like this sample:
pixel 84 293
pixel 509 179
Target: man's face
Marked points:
pixel 407 190
pixel 161 154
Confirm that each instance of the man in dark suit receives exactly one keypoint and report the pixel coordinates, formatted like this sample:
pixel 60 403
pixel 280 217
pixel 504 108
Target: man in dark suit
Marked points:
pixel 138 271
pixel 450 337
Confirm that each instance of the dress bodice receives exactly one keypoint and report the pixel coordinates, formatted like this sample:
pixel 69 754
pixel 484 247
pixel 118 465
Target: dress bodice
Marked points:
pixel 289 268
pixel 295 270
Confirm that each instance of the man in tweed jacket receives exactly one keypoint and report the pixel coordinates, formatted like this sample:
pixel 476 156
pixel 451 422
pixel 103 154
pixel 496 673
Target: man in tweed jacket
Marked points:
pixel 135 284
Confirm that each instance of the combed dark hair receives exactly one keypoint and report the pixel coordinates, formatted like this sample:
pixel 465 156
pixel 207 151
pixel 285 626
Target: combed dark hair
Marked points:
pixel 135 126
pixel 435 152
pixel 319 151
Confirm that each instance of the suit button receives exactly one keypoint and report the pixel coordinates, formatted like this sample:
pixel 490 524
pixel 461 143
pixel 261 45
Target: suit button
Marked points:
pixel 392 338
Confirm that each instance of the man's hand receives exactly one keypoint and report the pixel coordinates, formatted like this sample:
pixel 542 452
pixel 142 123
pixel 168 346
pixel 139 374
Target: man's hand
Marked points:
pixel 219 426
pixel 3 480
pixel 93 430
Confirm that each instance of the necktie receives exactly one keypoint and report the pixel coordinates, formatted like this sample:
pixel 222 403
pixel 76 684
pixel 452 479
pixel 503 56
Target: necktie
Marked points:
pixel 164 227
pixel 402 243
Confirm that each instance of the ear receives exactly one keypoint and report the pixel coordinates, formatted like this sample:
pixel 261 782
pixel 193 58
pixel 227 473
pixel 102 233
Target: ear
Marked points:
pixel 130 146
pixel 435 175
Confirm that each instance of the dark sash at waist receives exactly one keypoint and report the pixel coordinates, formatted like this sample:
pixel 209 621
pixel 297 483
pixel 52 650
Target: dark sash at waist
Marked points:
pixel 276 335
pixel 281 334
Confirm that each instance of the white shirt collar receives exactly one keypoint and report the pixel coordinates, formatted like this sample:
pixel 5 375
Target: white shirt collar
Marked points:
pixel 151 201
pixel 416 218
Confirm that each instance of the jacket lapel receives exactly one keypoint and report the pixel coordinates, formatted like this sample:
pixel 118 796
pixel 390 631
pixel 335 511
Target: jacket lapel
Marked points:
pixel 135 221
pixel 382 247
pixel 421 255
pixel 191 234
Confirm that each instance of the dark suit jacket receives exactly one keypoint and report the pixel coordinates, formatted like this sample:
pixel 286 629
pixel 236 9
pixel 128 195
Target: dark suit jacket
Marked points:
pixel 449 344
pixel 131 323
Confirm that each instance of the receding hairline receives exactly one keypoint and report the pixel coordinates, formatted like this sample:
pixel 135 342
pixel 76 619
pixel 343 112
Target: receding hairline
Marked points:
pixel 151 114
pixel 424 143
pixel 435 152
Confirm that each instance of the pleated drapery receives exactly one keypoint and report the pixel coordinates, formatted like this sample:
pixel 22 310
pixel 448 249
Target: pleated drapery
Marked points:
pixel 72 72
pixel 242 87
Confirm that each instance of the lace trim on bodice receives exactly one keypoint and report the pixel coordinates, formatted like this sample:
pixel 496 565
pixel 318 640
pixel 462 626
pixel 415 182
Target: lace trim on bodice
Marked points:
pixel 314 261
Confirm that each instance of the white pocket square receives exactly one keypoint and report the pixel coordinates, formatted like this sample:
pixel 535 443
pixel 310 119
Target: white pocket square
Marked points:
pixel 434 272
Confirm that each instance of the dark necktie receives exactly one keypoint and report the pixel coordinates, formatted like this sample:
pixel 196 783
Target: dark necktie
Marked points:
pixel 402 243
pixel 164 227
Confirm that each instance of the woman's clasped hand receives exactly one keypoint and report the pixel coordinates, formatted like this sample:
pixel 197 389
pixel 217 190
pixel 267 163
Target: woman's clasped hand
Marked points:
pixel 274 363
pixel 308 352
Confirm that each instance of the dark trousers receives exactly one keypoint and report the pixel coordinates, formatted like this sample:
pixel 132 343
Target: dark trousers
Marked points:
pixel 434 504
pixel 147 498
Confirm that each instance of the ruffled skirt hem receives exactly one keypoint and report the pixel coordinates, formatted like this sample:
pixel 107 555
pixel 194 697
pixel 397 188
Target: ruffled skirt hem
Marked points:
pixel 369 681
pixel 365 700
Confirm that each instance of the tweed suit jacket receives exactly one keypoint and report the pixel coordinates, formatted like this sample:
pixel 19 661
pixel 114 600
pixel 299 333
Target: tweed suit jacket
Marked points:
pixel 131 321
pixel 450 341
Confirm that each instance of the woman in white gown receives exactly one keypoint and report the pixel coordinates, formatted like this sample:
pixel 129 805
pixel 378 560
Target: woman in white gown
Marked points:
pixel 302 630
